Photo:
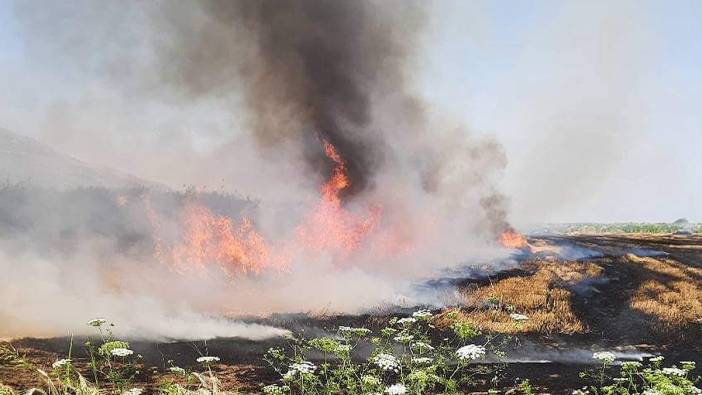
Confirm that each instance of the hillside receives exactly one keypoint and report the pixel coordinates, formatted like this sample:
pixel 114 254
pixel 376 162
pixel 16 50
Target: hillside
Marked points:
pixel 25 160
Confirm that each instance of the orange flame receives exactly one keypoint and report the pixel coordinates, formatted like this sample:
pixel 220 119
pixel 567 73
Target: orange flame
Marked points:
pixel 237 248
pixel 338 180
pixel 240 249
pixel 331 227
pixel 511 239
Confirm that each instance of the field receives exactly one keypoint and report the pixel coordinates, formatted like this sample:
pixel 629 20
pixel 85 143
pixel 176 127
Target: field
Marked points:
pixel 635 295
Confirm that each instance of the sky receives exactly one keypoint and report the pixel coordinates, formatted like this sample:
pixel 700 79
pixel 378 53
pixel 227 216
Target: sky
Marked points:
pixel 595 103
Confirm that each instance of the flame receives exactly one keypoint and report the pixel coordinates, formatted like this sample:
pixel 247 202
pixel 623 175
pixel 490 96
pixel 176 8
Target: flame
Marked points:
pixel 511 239
pixel 330 227
pixel 237 248
pixel 338 180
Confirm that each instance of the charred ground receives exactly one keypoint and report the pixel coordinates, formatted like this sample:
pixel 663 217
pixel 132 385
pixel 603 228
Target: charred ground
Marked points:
pixel 632 293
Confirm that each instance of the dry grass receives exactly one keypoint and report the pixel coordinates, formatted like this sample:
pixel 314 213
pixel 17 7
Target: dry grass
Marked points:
pixel 541 296
pixel 663 288
pixel 671 292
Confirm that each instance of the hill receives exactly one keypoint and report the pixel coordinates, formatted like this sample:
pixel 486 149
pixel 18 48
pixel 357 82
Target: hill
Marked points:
pixel 25 160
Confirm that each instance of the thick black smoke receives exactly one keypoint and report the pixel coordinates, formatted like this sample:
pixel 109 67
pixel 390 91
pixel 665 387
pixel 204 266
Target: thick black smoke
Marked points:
pixel 311 68
pixel 302 71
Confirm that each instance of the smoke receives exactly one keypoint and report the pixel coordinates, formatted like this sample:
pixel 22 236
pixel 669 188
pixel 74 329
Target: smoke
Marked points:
pixel 50 296
pixel 311 69
pixel 248 90
pixel 338 71
pixel 286 74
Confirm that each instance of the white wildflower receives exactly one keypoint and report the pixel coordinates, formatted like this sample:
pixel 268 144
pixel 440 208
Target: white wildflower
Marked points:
pixel 695 391
pixel 273 390
pixel 406 321
pixel 121 352
pixel 422 360
pixel 343 348
pixel 604 356
pixel 396 389
pixel 620 379
pixel 60 363
pixel 422 314
pixel 673 371
pixel 133 391
pixel 651 391
pixel 299 367
pixel 177 370
pixel 518 317
pixel 386 362
pixel 206 359
pixel 470 352
pixel 303 367
pixel 581 392
pixel 97 322
pixel 656 359
pixel 403 338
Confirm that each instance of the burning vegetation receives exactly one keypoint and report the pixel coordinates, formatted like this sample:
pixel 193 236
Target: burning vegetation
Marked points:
pixel 237 248
pixel 385 263
pixel 511 239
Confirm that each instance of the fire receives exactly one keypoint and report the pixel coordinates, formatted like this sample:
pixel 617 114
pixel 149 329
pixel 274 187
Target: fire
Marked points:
pixel 511 239
pixel 330 227
pixel 338 180
pixel 237 248
pixel 213 239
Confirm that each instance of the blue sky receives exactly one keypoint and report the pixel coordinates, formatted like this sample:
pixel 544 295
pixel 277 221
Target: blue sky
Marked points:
pixel 597 104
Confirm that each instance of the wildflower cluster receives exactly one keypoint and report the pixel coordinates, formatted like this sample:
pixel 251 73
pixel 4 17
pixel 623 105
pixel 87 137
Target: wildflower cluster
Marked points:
pixel 470 352
pixel 111 363
pixel 121 352
pixel 404 358
pixel 114 365
pixel 177 370
pixel 205 360
pixel 353 332
pixel 604 356
pixel 422 315
pixel 303 367
pixel 635 378
pixel 406 321
pixel 387 362
pixel 396 389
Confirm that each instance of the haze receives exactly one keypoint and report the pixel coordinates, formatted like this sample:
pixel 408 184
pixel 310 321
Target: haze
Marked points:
pixel 595 104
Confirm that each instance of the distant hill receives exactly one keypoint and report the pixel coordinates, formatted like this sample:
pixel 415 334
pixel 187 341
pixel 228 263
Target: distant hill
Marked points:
pixel 25 160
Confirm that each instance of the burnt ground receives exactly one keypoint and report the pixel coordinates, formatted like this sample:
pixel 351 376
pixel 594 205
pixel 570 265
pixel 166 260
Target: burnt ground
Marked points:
pixel 550 359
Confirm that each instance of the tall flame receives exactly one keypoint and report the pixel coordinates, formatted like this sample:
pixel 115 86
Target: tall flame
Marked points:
pixel 330 227
pixel 237 248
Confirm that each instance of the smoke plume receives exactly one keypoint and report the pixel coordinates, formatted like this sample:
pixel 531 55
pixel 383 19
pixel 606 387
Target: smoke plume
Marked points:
pixel 338 71
pixel 275 80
